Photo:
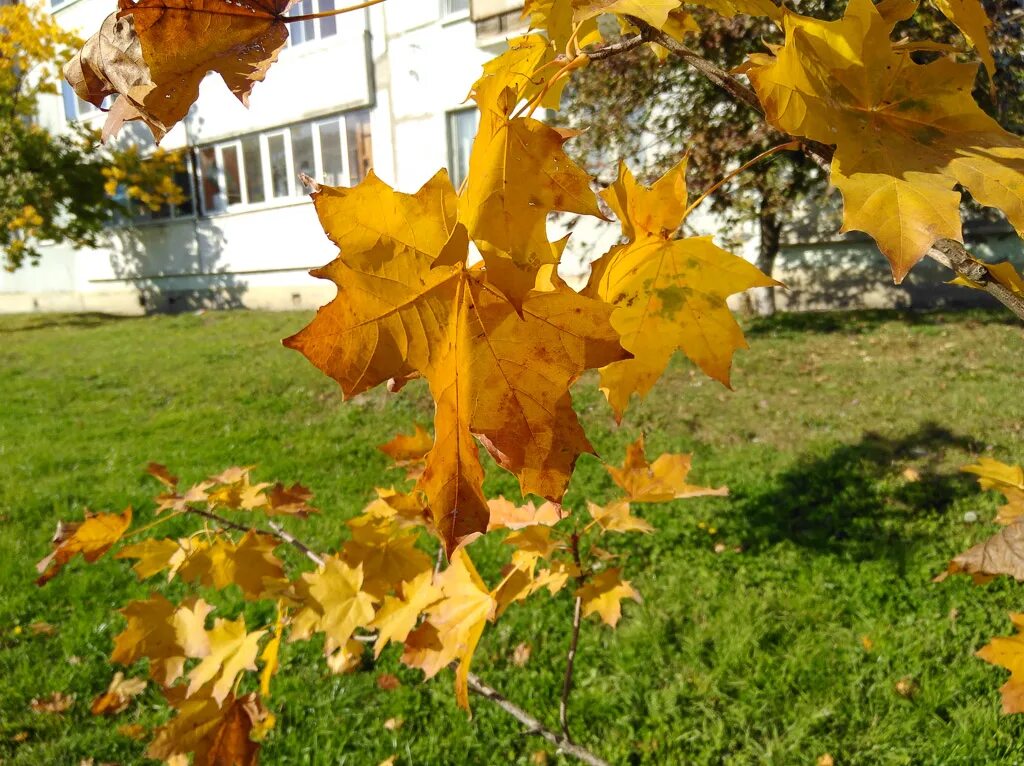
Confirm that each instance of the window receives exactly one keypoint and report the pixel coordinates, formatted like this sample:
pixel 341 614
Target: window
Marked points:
pixel 336 151
pixel 137 212
pixel 461 130
pixel 454 7
pixel 311 29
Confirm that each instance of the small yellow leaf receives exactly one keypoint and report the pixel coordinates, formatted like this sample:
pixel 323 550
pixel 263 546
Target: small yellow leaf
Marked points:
pixel 232 651
pixel 118 695
pixel 657 482
pixel 616 517
pixel 91 538
pixel 603 594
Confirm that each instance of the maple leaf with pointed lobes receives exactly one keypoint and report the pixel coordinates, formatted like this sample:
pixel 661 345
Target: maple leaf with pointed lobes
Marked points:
pixel 454 625
pixel 406 448
pixel 1007 479
pixel 154 54
pixel 615 517
pixel 494 373
pixel 164 633
pixel 532 543
pixel 90 538
pixel 154 556
pixel 232 651
pixel 669 293
pixel 250 564
pixel 517 70
pixel 1008 652
pixel 603 593
pixel 334 603
pixel 507 515
pixel 971 19
pixel 657 482
pixel 398 615
pixel 517 584
pixel 905 133
pixel 386 555
pixel 555 18
pixel 217 734
pixel 289 501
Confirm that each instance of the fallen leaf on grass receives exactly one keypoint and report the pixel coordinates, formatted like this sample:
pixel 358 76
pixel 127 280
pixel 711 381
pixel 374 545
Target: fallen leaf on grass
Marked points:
pixel 134 731
pixel 906 687
pixel 393 724
pixel 388 682
pixel 118 695
pixel 42 628
pixel 521 655
pixel 57 702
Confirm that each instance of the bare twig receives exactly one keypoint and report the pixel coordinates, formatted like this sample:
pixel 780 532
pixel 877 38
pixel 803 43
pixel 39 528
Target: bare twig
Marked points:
pixel 570 659
pixel 533 726
pixel 275 531
pixel 948 252
pixel 614 49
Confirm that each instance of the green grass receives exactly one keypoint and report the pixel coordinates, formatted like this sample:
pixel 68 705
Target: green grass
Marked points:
pixel 753 657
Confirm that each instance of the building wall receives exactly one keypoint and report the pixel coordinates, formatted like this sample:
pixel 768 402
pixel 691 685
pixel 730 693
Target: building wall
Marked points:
pixel 410 68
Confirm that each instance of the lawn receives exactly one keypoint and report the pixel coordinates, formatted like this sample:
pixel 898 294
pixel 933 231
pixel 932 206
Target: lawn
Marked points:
pixel 789 648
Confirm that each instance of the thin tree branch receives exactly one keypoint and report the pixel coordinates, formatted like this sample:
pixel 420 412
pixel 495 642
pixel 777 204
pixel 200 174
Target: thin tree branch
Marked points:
pixel 948 252
pixel 274 531
pixel 533 726
pixel 570 659
pixel 614 49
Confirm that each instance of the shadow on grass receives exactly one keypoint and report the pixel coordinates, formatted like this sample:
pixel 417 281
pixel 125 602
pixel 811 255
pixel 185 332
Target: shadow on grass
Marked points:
pixel 868 320
pixel 85 320
pixel 855 501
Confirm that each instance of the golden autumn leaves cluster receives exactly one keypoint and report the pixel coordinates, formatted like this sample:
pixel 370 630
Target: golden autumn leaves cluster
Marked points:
pixel 381 586
pixel 500 342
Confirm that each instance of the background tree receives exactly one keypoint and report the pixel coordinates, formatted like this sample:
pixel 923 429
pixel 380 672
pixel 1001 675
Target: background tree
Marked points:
pixel 653 111
pixel 52 185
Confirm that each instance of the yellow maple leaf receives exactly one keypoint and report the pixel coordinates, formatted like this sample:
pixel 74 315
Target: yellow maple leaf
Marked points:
pixel 154 556
pixel 517 584
pixel 657 482
pixel 1007 479
pixel 1008 652
pixel 518 69
pixel 669 293
pixel 615 517
pixel 603 593
pixel 504 514
pixel 398 615
pixel 532 543
pixel 232 651
pixel 905 133
pixel 164 633
pixel 386 556
pixel 495 372
pixel 971 19
pixel 334 603
pixel 406 448
pixel 555 577
pixel 90 538
pixel 218 733
pixel 555 18
pixel 454 625
pixel 250 564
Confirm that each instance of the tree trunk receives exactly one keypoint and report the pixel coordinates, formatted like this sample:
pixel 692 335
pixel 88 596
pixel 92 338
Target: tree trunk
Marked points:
pixel 770 231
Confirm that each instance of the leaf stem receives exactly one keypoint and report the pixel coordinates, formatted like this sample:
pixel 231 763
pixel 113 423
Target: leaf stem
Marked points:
pixel 744 167
pixel 156 523
pixel 325 14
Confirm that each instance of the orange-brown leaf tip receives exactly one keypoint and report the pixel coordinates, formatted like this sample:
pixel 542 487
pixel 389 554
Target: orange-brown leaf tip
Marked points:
pixel 90 538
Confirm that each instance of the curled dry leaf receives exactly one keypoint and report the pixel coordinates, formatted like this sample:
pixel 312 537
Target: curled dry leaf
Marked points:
pixel 152 54
pixel 1001 554
pixel 56 703
pixel 118 695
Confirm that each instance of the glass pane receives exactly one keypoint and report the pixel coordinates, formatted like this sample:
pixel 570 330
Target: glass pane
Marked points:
pixel 183 179
pixel 450 7
pixel 360 152
pixel 70 100
pixel 278 166
pixel 232 175
pixel 330 153
pixel 302 149
pixel 328 26
pixel 213 200
pixel 461 130
pixel 253 169
pixel 308 26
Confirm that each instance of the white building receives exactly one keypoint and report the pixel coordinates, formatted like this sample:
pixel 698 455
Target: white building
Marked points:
pixel 384 87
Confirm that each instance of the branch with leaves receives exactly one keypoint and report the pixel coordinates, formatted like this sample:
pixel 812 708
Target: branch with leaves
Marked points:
pixel 380 588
